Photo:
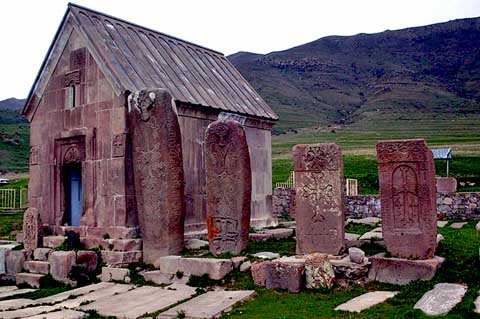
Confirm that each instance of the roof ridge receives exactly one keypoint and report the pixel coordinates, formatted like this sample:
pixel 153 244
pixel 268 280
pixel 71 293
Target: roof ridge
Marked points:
pixel 74 5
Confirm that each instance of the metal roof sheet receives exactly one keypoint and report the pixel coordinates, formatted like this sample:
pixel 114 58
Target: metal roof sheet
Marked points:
pixel 442 153
pixel 139 57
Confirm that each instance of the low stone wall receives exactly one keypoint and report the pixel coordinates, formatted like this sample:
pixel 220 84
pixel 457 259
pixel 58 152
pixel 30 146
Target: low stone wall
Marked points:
pixel 362 206
pixel 449 205
pixel 459 205
pixel 283 200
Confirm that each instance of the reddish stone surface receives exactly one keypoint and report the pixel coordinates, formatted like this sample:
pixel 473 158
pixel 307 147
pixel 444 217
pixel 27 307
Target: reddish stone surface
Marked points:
pixel 319 193
pixel 37 267
pixel 41 254
pixel 32 280
pixel 31 229
pixel 158 172
pixel 14 260
pixel 259 273
pixel 407 191
pixel 446 184
pixel 87 259
pixel 401 271
pixel 121 258
pixel 92 134
pixel 53 241
pixel 229 187
pixel 61 263
pixel 289 275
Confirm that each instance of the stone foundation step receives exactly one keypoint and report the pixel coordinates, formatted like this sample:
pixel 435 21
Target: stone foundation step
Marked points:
pixel 37 267
pixel 33 280
pixel 210 305
pixel 112 244
pixel 53 241
pixel 366 301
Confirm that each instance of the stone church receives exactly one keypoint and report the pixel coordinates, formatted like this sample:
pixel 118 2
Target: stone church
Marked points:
pixel 80 173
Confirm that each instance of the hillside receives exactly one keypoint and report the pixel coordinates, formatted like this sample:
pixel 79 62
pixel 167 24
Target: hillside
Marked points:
pixel 429 72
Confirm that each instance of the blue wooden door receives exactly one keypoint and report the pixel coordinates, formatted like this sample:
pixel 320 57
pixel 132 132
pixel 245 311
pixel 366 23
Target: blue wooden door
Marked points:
pixel 75 196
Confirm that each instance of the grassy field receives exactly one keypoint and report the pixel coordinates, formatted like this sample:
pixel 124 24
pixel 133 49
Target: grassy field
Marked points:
pixel 358 146
pixel 460 248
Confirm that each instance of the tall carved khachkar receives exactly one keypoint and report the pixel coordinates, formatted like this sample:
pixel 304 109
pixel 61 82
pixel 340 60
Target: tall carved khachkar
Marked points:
pixel 407 190
pixel 158 172
pixel 229 187
pixel 319 210
pixel 31 229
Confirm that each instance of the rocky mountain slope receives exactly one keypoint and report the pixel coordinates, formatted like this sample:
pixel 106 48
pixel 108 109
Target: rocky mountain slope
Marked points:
pixel 423 72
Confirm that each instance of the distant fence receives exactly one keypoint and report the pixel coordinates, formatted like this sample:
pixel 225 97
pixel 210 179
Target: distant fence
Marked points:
pixel 11 198
pixel 290 183
pixel 351 187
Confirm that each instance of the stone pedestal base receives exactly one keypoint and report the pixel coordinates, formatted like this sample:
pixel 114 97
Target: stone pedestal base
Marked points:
pixel 402 271
pixel 264 222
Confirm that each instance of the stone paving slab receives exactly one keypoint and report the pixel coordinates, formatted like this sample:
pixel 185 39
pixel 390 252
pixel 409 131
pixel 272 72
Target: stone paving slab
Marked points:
pixel 75 292
pixel 62 314
pixel 458 225
pixel 13 304
pixel 15 292
pixel 209 305
pixel 7 288
pixel 366 301
pixel 140 301
pixel 442 223
pixel 441 299
pixel 100 293
pixel 26 312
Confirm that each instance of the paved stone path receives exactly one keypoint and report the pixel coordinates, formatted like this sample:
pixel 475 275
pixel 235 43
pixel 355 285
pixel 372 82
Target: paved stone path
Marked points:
pixel 209 305
pixel 441 299
pixel 366 301
pixel 442 223
pixel 122 301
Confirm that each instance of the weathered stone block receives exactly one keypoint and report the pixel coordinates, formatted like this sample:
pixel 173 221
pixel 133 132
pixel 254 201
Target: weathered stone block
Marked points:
pixel 319 198
pixel 87 259
pixel 14 260
pixel 33 280
pixel 37 267
pixel 41 254
pixel 215 268
pixel 286 273
pixel 158 171
pixel 61 263
pixel 121 258
pixel 228 188
pixel 259 273
pixel 446 184
pixel 168 264
pixel 346 269
pixel 407 190
pixel 318 271
pixel 441 299
pixel 114 274
pixel 402 271
pixel 53 241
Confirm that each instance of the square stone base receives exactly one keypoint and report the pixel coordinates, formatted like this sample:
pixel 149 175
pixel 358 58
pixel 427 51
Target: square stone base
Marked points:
pixel 402 271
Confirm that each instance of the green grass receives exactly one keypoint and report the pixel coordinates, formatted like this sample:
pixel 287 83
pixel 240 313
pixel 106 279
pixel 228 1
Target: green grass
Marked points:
pixel 10 224
pixel 364 169
pixel 460 248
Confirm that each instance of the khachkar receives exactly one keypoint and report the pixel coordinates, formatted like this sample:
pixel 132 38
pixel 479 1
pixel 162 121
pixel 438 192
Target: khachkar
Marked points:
pixel 319 198
pixel 158 172
pixel 31 229
pixel 407 190
pixel 229 187
pixel 409 221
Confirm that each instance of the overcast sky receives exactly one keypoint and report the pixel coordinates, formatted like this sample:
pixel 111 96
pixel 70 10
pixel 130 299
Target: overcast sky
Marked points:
pixel 261 26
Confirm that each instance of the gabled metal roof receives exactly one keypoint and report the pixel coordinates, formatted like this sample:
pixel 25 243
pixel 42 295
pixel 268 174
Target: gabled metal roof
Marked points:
pixel 138 58
pixel 442 153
